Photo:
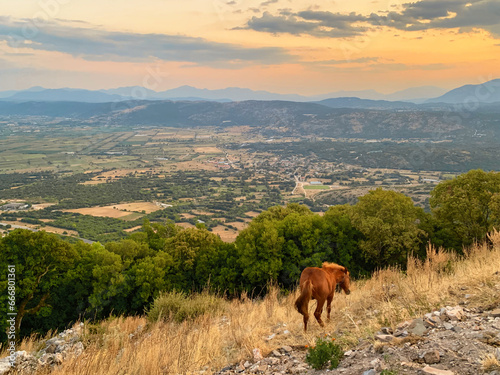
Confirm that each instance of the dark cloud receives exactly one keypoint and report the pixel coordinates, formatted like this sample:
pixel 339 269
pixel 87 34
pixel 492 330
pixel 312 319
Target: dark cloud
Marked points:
pixel 299 24
pixel 268 2
pixel 416 16
pixel 102 45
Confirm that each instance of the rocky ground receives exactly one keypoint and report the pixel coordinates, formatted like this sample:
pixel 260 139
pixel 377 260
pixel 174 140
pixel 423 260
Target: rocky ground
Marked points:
pixel 54 351
pixel 453 340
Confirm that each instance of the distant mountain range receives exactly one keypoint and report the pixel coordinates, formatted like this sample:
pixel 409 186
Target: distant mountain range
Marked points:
pixel 488 92
pixel 291 118
pixel 194 94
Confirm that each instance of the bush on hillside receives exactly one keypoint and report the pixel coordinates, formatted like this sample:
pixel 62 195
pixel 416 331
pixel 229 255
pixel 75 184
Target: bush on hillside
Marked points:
pixel 179 306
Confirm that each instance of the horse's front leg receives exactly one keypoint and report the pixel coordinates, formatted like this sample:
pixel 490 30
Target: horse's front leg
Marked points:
pixel 329 306
pixel 319 310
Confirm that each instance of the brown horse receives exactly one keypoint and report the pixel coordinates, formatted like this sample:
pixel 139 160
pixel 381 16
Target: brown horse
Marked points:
pixel 319 284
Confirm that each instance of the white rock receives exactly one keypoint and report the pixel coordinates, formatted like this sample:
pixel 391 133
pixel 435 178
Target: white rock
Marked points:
pixel 435 371
pixel 4 365
pixel 257 356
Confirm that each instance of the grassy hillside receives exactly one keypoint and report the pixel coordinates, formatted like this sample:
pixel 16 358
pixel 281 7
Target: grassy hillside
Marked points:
pixel 215 339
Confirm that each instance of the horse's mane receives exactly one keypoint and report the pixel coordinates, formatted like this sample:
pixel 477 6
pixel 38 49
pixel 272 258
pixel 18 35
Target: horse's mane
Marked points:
pixel 332 267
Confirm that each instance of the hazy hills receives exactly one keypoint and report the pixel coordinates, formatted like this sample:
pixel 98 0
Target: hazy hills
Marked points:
pixel 488 92
pixel 332 117
pixel 416 94
pixel 273 118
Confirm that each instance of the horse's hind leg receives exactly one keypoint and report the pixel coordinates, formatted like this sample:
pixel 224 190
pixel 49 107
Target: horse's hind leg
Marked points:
pixel 319 310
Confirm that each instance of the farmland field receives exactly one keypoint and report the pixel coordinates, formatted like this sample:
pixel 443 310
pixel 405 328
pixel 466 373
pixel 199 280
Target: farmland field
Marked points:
pixel 120 211
pixel 221 177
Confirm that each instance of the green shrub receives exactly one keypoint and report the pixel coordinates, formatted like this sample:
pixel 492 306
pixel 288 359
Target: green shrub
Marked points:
pixel 179 306
pixel 325 351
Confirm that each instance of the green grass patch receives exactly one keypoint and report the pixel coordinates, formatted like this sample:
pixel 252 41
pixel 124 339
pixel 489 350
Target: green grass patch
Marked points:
pixel 131 217
pixel 316 187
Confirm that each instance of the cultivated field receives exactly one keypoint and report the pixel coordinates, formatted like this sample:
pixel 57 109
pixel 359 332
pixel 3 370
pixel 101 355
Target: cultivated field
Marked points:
pixel 118 211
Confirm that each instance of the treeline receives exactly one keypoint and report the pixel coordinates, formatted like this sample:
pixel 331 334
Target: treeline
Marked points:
pixel 58 282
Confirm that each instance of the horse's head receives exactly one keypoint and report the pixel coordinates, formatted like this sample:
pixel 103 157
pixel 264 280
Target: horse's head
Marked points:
pixel 345 282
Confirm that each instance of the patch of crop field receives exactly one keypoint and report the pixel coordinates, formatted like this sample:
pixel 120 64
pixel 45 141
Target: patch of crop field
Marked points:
pixel 239 129
pixel 41 206
pixel 118 211
pixel 132 216
pixel 114 175
pixel 193 165
pixel 129 230
pixel 225 234
pixel 187 216
pixel 316 187
pixel 46 228
pixel 185 225
pixel 199 212
pixel 252 213
pixel 108 211
pixel 147 207
pixel 208 150
pixel 238 225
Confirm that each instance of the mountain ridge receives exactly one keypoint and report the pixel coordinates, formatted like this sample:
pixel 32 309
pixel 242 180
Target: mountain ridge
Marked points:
pixel 488 92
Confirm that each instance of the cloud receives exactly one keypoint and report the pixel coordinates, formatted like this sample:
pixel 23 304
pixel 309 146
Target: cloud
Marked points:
pixel 361 60
pixel 268 2
pixel 372 64
pixel 465 15
pixel 100 45
pixel 323 25
pixel 401 67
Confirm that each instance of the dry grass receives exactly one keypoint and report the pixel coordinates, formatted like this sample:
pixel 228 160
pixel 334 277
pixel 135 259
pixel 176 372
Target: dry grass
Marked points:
pixel 214 341
pixel 490 363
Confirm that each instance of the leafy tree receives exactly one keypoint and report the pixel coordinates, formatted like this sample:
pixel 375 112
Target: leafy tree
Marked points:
pixel 389 222
pixel 70 300
pixel 225 276
pixel 342 240
pixel 127 276
pixel 156 234
pixel 301 245
pixel 259 251
pixel 468 207
pixel 42 261
pixel 108 281
pixel 193 251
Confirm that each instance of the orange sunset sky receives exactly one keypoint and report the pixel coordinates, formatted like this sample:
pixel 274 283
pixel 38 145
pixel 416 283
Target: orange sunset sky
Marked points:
pixel 275 45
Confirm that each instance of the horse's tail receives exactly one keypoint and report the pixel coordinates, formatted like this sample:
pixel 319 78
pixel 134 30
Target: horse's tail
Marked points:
pixel 302 302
